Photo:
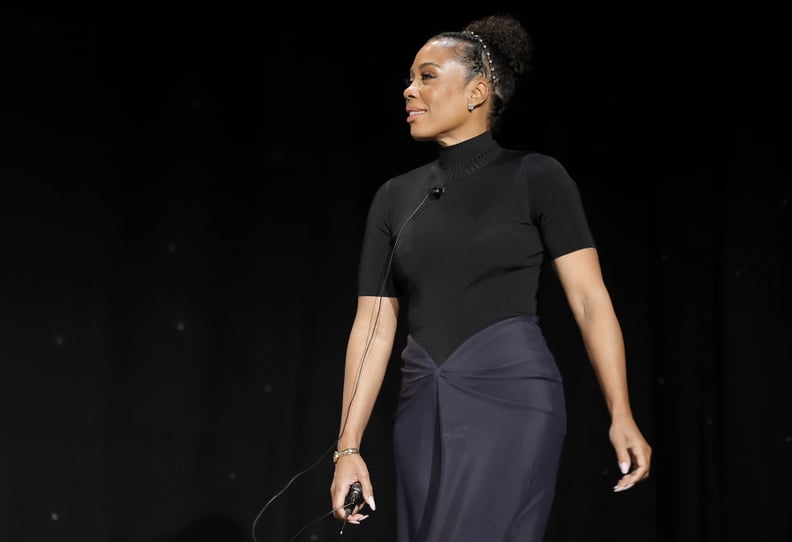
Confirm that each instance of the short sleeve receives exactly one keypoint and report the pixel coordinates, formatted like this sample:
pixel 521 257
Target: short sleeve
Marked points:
pixel 375 276
pixel 556 207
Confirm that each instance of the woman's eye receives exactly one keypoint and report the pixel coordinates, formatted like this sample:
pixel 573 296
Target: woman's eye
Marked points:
pixel 422 77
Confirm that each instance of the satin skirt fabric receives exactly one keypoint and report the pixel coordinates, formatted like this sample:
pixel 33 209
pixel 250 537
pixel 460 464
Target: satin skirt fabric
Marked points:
pixel 478 439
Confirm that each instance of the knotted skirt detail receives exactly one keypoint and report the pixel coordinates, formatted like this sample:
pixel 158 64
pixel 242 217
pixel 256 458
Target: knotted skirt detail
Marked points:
pixel 478 439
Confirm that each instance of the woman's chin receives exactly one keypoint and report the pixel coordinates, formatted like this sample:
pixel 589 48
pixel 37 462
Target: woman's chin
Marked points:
pixel 419 135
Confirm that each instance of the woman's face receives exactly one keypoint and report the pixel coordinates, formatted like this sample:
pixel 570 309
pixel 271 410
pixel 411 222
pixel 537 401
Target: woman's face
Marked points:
pixel 437 96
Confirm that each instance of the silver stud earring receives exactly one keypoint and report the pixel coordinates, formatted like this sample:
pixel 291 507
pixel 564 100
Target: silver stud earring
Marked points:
pixel 471 106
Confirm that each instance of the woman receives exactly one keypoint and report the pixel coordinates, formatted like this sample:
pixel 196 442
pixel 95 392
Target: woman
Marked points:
pixel 459 243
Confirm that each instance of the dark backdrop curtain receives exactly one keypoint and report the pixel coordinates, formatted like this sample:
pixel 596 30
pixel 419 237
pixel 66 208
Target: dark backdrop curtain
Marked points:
pixel 182 198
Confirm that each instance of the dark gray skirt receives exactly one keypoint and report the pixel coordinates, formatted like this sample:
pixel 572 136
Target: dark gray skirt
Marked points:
pixel 477 440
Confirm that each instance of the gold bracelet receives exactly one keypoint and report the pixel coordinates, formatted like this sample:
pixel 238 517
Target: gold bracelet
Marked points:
pixel 346 451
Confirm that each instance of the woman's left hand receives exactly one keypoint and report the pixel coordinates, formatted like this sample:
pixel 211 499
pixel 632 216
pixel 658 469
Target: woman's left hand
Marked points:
pixel 632 452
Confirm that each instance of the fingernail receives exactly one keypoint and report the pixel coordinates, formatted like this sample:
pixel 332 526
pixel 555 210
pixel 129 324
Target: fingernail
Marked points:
pixel 353 521
pixel 625 467
pixel 363 517
pixel 371 502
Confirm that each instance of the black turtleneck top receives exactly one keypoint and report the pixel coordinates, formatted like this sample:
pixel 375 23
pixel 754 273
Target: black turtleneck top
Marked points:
pixel 470 256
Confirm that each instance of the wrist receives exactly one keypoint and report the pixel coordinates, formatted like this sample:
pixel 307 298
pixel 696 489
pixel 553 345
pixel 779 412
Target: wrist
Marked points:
pixel 620 415
pixel 338 454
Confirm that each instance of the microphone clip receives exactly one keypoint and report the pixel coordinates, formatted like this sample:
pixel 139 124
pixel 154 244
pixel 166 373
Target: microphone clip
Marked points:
pixel 436 191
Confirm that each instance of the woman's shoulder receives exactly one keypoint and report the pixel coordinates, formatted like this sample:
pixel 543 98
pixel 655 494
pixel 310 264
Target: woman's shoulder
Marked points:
pixel 536 166
pixel 538 161
pixel 407 184
pixel 409 181
pixel 419 172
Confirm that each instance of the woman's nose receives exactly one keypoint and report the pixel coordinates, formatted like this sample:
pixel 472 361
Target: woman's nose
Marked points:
pixel 409 90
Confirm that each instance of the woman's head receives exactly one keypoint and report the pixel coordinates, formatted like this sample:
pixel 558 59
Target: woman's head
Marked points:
pixel 461 82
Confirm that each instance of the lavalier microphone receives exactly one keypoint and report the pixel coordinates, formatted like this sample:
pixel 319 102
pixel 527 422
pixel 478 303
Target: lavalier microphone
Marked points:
pixel 355 495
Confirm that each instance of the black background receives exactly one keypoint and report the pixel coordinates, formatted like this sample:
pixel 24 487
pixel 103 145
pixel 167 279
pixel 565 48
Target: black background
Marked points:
pixel 182 194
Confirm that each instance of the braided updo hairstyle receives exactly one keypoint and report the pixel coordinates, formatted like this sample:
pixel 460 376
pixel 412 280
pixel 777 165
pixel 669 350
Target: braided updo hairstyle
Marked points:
pixel 498 48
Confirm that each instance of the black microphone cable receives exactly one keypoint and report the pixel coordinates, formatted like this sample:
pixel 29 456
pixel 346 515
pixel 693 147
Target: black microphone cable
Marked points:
pixel 434 192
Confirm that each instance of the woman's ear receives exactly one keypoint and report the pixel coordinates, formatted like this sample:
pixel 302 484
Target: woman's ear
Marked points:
pixel 480 92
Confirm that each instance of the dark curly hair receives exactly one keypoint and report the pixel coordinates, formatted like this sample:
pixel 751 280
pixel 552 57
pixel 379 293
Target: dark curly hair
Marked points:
pixel 499 48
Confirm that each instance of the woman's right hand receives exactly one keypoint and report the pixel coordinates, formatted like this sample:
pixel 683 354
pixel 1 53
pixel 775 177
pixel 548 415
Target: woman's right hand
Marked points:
pixel 348 470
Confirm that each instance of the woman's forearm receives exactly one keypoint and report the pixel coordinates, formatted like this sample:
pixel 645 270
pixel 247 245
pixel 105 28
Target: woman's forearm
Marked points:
pixel 602 337
pixel 368 352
